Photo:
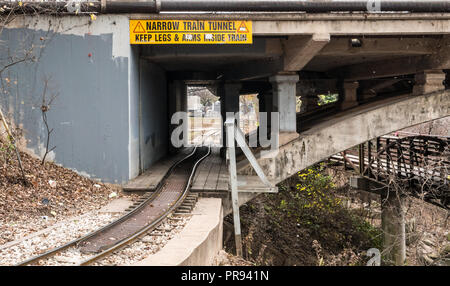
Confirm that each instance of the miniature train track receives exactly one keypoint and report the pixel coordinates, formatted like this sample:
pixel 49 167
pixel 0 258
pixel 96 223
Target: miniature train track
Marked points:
pixel 151 211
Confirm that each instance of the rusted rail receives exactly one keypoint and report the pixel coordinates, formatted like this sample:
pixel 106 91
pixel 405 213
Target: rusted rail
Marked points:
pixel 168 196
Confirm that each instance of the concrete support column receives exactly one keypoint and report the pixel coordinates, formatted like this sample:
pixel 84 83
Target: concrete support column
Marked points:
pixel 177 91
pixel 229 102
pixel 266 104
pixel 265 99
pixel 349 89
pixel 284 100
pixel 393 226
pixel 261 102
pixel 429 81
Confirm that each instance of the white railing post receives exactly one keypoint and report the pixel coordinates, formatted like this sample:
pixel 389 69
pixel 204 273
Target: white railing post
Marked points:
pixel 229 123
pixel 235 134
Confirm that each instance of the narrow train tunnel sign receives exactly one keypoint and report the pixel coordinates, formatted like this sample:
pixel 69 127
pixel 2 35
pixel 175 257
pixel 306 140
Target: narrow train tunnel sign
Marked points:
pixel 190 32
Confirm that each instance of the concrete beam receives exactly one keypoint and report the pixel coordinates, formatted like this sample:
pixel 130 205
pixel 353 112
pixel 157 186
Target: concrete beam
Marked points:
pixel 298 51
pixel 251 87
pixel 379 84
pixel 394 67
pixel 313 87
pixel 381 46
pixel 161 52
pixel 377 25
pixel 252 69
pixel 390 68
pixel 194 77
pixel 369 89
pixel 379 69
pixel 439 59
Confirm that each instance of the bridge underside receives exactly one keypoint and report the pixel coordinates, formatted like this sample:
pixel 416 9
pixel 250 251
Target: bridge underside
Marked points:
pixel 386 77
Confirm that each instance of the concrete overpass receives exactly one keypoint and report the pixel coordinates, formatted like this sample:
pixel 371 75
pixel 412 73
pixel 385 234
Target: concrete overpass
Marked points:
pixel 111 117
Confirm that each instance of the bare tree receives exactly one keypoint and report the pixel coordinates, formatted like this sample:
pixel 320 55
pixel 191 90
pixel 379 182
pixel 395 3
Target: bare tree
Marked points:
pixel 7 15
pixel 13 142
pixel 411 175
pixel 206 97
pixel 9 12
pixel 411 167
pixel 47 100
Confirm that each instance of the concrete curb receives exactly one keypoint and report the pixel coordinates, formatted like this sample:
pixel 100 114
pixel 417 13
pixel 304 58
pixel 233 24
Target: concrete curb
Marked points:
pixel 199 241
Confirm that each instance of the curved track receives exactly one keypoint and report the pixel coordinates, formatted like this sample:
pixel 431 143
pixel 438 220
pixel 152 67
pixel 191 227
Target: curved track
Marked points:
pixel 169 195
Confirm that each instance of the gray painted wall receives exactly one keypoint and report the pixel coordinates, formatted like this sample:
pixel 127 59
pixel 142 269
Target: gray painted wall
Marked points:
pixel 154 127
pixel 134 110
pixel 90 115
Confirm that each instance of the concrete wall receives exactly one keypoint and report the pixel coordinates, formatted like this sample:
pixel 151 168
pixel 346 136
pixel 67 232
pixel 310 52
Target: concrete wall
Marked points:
pixel 154 139
pixel 198 242
pixel 100 128
pixel 177 101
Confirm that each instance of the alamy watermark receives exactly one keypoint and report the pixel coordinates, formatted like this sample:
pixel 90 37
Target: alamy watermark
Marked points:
pixel 266 136
pixel 374 6
pixel 375 257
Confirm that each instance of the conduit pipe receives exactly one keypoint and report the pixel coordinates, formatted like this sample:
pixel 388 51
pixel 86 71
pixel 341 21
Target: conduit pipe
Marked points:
pixel 308 6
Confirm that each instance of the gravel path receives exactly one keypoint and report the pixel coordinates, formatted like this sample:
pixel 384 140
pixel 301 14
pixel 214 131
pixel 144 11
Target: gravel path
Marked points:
pixel 40 234
pixel 71 229
pixel 147 245
pixel 12 229
pixel 61 233
pixel 138 250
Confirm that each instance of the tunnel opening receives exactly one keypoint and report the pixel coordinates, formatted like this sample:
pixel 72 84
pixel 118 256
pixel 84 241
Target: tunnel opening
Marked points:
pixel 204 118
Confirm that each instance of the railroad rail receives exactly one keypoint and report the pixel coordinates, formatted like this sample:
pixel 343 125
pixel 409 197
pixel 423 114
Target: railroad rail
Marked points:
pixel 147 216
pixel 418 163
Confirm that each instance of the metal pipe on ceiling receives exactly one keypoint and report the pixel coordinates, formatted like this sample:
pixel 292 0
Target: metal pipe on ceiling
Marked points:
pixel 310 6
pixel 277 6
pixel 155 6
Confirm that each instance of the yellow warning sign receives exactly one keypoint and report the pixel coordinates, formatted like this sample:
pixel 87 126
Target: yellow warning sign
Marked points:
pixel 139 28
pixel 242 28
pixel 190 32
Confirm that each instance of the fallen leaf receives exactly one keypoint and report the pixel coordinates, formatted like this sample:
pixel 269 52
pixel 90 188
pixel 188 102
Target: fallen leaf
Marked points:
pixel 52 183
